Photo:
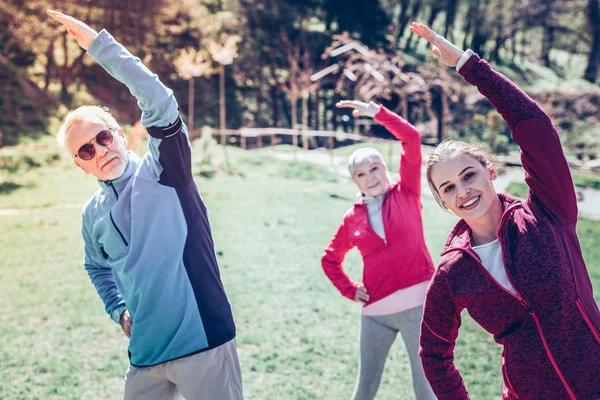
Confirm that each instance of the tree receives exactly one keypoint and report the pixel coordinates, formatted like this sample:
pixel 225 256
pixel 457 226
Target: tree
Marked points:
pixel 591 72
pixel 191 64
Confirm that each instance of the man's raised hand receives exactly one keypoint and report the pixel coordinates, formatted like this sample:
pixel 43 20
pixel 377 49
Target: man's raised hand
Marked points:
pixel 448 53
pixel 80 31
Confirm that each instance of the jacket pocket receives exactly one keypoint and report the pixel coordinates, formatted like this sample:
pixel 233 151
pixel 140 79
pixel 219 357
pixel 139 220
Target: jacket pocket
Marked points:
pixel 511 391
pixel 588 321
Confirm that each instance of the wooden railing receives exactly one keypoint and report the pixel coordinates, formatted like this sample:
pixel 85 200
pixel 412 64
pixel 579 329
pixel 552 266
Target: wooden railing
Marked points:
pixel 244 134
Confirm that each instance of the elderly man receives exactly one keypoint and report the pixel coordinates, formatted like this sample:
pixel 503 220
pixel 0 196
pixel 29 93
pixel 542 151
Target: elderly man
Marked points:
pixel 148 244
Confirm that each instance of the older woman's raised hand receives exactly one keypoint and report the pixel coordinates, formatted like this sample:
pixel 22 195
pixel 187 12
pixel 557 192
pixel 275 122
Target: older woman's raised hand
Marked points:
pixel 448 53
pixel 80 31
pixel 359 108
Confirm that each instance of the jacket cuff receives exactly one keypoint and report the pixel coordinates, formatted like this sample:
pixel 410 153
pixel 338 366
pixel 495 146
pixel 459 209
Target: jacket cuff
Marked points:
pixel 463 61
pixel 100 41
pixel 167 132
pixel 373 109
pixel 115 315
pixel 351 293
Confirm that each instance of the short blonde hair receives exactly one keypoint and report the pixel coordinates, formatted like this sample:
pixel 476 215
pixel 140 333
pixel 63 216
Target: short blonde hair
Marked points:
pixel 95 114
pixel 450 148
pixel 364 154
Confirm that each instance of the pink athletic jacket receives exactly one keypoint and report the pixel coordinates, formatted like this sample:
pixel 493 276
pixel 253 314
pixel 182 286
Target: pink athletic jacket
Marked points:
pixel 550 329
pixel 402 260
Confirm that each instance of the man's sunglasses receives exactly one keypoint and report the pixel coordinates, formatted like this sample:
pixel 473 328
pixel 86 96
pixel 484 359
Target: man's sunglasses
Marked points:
pixel 88 150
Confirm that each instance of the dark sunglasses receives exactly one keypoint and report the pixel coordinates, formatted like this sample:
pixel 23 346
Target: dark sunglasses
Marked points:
pixel 88 150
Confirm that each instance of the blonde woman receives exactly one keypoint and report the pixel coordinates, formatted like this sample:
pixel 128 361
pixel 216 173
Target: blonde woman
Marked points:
pixel 515 266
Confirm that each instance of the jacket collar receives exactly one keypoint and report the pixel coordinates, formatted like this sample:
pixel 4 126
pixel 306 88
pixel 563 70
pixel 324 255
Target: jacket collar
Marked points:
pixel 109 187
pixel 460 236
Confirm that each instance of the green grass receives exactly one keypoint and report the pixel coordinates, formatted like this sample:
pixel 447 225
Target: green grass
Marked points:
pixel 587 181
pixel 518 189
pixel 297 335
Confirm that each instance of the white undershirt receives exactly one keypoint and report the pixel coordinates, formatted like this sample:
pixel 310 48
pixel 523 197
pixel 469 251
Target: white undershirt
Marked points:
pixel 491 258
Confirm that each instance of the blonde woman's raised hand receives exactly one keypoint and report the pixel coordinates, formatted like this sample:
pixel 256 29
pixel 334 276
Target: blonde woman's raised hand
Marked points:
pixel 80 31
pixel 448 53
pixel 359 108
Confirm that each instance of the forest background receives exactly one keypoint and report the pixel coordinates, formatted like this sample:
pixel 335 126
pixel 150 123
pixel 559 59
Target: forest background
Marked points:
pixel 282 63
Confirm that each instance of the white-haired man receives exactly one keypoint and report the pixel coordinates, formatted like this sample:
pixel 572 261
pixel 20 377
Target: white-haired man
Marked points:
pixel 148 244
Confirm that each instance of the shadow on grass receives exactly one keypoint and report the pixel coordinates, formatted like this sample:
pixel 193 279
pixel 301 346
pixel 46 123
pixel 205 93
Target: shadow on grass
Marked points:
pixel 559 71
pixel 9 187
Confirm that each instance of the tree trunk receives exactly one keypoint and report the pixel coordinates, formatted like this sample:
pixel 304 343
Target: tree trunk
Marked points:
pixel 451 6
pixel 591 72
pixel 414 12
pixel 275 106
pixel 294 104
pixel 479 35
pixel 547 43
pixel 402 19
pixel 49 64
pixel 222 103
pixel 305 111
pixel 258 120
pixel 468 26
pixel 318 109
pixel 191 105
pixel 435 10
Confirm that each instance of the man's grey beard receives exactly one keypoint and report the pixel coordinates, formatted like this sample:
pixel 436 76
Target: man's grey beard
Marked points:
pixel 117 171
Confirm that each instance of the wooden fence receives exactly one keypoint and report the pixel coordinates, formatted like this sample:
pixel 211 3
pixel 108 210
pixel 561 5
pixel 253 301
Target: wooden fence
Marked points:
pixel 244 135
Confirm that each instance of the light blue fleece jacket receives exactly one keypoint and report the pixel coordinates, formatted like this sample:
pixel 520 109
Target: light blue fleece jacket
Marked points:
pixel 147 236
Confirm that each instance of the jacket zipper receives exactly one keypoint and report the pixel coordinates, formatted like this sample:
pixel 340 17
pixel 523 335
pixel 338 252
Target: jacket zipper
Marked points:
pixel 587 320
pixel 527 307
pixel 111 217
pixel 110 184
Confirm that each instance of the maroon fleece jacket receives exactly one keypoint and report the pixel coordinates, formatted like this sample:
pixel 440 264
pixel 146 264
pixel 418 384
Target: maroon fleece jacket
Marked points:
pixel 550 329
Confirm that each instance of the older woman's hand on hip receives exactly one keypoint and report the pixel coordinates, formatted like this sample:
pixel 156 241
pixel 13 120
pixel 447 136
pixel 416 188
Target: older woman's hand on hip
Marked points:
pixel 448 53
pixel 361 295
pixel 359 108
pixel 80 31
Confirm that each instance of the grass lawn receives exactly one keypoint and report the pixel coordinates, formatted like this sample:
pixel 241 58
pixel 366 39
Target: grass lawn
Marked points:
pixel 297 335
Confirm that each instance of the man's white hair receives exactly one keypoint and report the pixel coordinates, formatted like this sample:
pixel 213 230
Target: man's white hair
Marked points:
pixel 362 155
pixel 96 114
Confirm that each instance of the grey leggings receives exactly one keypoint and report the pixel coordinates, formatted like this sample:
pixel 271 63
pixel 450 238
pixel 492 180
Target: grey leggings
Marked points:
pixel 377 334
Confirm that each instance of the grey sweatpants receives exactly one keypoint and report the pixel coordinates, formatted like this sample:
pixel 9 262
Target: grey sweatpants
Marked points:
pixel 210 375
pixel 377 334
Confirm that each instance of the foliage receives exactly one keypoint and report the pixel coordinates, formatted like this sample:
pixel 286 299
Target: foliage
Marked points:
pixel 491 130
pixel 284 43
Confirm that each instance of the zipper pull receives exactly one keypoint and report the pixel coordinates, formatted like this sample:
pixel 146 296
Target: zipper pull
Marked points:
pixel 526 305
